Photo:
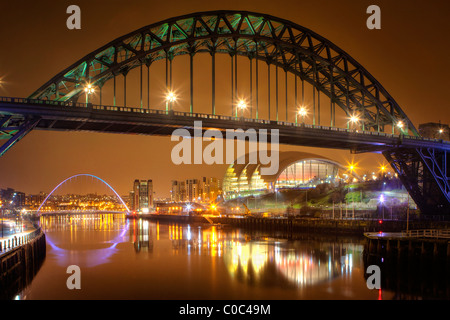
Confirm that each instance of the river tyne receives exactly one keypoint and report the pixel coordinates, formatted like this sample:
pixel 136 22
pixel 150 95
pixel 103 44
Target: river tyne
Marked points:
pixel 136 259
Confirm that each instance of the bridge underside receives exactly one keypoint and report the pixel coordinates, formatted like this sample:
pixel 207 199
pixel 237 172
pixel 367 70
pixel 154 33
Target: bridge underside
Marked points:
pixel 420 163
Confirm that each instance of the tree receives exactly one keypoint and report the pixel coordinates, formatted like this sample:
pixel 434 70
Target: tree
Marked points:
pixel 354 196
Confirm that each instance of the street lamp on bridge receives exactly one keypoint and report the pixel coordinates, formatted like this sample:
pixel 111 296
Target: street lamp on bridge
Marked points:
pixel 402 127
pixel 353 119
pixel 241 105
pixel 170 98
pixel 302 111
pixel 88 90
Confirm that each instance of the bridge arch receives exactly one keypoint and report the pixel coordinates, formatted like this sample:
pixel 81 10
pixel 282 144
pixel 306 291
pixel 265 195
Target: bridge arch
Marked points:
pixel 260 37
pixel 86 175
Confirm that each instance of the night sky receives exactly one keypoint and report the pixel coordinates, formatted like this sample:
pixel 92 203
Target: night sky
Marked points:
pixel 408 56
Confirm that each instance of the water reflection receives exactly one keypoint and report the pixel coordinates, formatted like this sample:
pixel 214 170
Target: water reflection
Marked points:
pixel 76 230
pixel 141 236
pixel 253 259
pixel 412 277
pixel 150 259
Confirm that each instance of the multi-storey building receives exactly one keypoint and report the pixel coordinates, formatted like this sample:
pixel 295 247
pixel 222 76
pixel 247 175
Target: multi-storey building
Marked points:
pixel 195 190
pixel 141 197
pixel 178 192
pixel 192 190
pixel 209 189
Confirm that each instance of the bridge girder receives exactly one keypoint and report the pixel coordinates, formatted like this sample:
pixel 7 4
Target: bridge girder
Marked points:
pixel 425 174
pixel 14 129
pixel 275 41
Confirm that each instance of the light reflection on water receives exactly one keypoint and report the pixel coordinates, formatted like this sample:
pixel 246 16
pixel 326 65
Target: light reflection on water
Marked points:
pixel 152 260
pixel 249 258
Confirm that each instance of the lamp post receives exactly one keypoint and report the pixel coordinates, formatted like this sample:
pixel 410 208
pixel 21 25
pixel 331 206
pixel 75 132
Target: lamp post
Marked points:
pixel 383 170
pixel 353 119
pixel 88 90
pixel 401 125
pixel 302 111
pixel 170 98
pixel 241 105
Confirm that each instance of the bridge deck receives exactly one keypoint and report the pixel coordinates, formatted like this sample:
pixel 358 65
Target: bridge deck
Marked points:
pixel 81 117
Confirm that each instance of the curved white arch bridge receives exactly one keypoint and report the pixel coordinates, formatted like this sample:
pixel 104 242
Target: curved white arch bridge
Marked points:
pixel 85 175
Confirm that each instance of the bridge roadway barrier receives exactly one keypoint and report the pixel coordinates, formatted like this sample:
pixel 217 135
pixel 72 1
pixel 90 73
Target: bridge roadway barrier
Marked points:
pixel 19 262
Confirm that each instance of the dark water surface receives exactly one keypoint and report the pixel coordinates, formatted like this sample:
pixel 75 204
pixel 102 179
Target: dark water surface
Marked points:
pixel 139 259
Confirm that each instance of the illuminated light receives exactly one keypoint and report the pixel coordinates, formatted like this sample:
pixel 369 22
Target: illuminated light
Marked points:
pixel 171 97
pixel 89 89
pixel 352 167
pixel 380 221
pixel 441 130
pixel 302 111
pixel 145 210
pixel 354 118
pixel 242 104
pixel 381 198
pixel 400 124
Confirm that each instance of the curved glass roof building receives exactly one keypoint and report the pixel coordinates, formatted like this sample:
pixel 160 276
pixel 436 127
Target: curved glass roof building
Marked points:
pixel 295 170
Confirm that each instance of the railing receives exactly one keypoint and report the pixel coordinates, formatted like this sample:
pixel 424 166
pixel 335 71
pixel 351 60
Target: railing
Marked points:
pixel 17 241
pixel 207 116
pixel 427 233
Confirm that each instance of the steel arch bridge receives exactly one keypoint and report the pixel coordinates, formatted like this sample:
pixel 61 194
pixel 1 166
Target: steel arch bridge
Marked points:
pixel 272 40
pixel 374 121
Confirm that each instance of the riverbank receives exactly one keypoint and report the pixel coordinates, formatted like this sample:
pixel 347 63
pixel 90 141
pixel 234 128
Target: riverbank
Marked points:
pixel 334 226
pixel 19 264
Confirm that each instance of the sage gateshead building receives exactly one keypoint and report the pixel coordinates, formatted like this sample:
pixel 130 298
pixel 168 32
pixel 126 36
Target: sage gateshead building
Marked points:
pixel 295 170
